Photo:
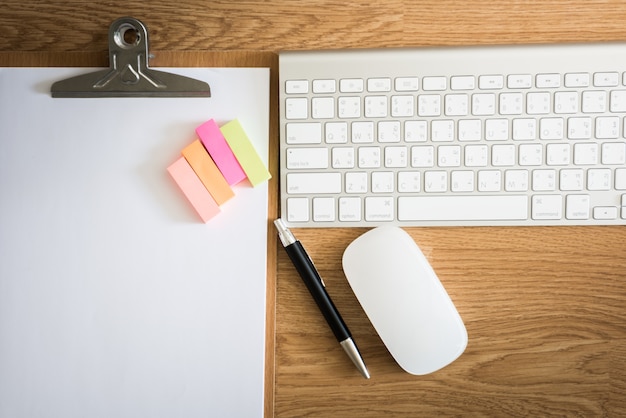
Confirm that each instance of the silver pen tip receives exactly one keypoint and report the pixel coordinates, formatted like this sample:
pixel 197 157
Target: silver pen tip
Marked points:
pixel 285 235
pixel 349 347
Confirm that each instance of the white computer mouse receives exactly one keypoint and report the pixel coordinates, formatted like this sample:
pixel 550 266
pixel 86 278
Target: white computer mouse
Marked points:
pixel 404 299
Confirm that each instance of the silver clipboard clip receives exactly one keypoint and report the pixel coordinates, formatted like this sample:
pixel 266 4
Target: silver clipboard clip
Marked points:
pixel 129 74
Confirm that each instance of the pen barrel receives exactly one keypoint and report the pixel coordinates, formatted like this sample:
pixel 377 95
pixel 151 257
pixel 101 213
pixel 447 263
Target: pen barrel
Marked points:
pixel 313 282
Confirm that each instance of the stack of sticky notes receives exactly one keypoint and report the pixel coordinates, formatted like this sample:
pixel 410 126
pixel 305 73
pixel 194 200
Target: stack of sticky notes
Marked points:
pixel 215 162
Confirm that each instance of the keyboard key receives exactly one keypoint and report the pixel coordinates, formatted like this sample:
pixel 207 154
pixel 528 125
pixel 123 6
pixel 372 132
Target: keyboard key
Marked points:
pixel 577 80
pixel 571 179
pixel 551 128
pixel 324 209
pixel 304 133
pixel 599 179
pixel 470 130
pixel 546 81
pixel 298 209
pixel 350 209
pixel 409 181
pixel 336 132
pixel 382 182
pixel 313 183
pixel 459 208
pixel 618 101
pixel 322 108
pixel 605 212
pixel 516 180
pixel 362 132
pixel 483 104
pixel 503 155
pixel 558 154
pixel 579 128
pixel 620 181
pixel 376 106
pixel 462 181
pixel 343 157
pixel 577 206
pixel 422 156
pixel 296 108
pixel 586 154
pixel 415 131
pixel 307 158
pixel 610 79
pixel 490 82
pixel 351 85
pixel 544 180
pixel 476 155
pixel 396 157
pixel 511 103
pixel 456 104
pixel 402 106
pixel 406 84
pixel 538 103
pixel 429 105
pixel 594 102
pixel 379 209
pixel 389 131
pixel 296 86
pixel 519 81
pixel 496 129
pixel 449 156
pixel 378 84
pixel 324 86
pixel 607 127
pixel 565 102
pixel 442 131
pixel 369 157
pixel 547 207
pixel 467 82
pixel 434 83
pixel 356 182
pixel 435 181
pixel 614 153
pixel 489 180
pixel 530 155
pixel 524 129
pixel 349 107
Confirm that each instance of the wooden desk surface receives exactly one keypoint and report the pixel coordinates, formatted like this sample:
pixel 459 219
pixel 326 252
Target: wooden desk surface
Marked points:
pixel 544 307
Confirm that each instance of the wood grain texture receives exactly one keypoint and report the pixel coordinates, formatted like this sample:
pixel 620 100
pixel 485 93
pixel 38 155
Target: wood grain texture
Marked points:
pixel 544 307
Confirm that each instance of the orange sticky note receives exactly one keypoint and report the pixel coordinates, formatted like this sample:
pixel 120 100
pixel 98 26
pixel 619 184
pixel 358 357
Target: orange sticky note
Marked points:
pixel 194 190
pixel 208 173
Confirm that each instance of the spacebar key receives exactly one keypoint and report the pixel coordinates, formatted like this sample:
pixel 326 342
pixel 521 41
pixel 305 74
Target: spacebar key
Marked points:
pixel 460 208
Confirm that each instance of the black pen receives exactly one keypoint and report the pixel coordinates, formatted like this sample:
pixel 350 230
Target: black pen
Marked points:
pixel 316 287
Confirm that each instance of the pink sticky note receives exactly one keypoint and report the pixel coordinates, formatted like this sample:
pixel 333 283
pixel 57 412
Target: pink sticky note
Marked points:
pixel 194 190
pixel 214 142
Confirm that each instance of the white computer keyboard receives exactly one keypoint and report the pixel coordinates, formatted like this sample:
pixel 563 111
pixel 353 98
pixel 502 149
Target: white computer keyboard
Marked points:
pixel 514 135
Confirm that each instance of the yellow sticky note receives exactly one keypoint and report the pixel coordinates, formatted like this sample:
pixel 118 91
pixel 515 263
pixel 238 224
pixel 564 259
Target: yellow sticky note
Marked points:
pixel 247 156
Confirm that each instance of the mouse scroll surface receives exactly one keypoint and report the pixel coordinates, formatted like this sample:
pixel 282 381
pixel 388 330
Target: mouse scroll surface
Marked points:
pixel 404 300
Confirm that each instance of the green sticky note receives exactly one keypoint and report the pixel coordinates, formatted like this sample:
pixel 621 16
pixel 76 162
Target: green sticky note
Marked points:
pixel 245 153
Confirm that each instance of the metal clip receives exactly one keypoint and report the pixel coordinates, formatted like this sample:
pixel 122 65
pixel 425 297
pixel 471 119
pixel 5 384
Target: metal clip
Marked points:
pixel 129 74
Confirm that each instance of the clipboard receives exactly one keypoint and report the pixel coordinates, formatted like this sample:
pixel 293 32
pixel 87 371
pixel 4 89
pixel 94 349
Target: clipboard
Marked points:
pixel 175 208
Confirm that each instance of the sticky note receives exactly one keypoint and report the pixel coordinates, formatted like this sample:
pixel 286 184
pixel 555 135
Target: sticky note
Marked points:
pixel 214 142
pixel 208 173
pixel 193 189
pixel 247 156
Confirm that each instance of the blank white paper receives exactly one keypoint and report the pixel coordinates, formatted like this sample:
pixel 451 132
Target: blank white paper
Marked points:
pixel 116 300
